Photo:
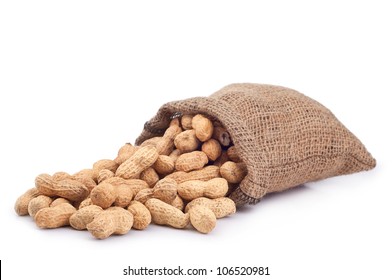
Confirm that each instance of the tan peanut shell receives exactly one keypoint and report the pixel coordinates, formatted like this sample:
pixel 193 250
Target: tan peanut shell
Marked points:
pixel 54 217
pixel 103 195
pixel 178 202
pixel 21 204
pixel 191 161
pixel 105 164
pixel 222 136
pixel 186 121
pixel 124 195
pixel 187 141
pixel 86 172
pixel 44 184
pixel 165 190
pixel 164 165
pixel 202 218
pixel 86 180
pixel 193 189
pixel 141 215
pixel 124 153
pixel 233 172
pixel 104 174
pixel 150 176
pixel 85 202
pixel 166 214
pixel 61 176
pixel 204 174
pixel 232 154
pixel 142 159
pixel 136 185
pixel 70 189
pixel 203 127
pixel 166 144
pixel 67 188
pixel 116 181
pixel 222 206
pixel 190 190
pixel 37 203
pixel 212 149
pixel 115 220
pixel 82 217
pixel 152 141
pixel 175 154
pixel 143 195
pixel 58 201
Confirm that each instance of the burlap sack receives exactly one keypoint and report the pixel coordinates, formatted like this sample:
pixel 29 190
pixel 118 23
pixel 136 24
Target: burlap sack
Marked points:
pixel 284 137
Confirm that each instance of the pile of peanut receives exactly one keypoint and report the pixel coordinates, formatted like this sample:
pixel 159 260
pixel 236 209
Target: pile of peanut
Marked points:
pixel 177 179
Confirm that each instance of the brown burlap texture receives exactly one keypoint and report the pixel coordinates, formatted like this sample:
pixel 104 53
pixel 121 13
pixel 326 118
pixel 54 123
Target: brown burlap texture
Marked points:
pixel 284 137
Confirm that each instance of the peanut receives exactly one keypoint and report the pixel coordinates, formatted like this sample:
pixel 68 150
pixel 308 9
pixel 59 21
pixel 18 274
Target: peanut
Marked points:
pixel 105 164
pixel 103 195
pixel 204 174
pixel 232 154
pixel 191 161
pixel 143 195
pixel 186 121
pixel 21 204
pixel 166 144
pixel 104 174
pixel 124 153
pixel 85 203
pixel 165 190
pixel 54 217
pixel 213 188
pixel 81 218
pixel 175 154
pixel 150 176
pixel 61 176
pixel 136 185
pixel 187 141
pixel 86 180
pixel 164 165
pixel 152 141
pixel 58 201
pixel 166 214
pixel 141 215
pixel 178 203
pixel 203 127
pixel 212 149
pixel 86 172
pixel 142 159
pixel 124 195
pixel 37 203
pixel 202 218
pixel 116 181
pixel 67 188
pixel 222 206
pixel 233 172
pixel 115 220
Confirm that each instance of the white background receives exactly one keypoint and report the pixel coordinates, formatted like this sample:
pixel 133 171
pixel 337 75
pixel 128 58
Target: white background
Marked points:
pixel 79 78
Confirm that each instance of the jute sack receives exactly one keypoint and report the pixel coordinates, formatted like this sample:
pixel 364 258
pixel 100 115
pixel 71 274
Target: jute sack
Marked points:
pixel 284 137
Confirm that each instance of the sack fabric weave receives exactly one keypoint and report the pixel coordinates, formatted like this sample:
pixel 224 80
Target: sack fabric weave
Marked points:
pixel 284 137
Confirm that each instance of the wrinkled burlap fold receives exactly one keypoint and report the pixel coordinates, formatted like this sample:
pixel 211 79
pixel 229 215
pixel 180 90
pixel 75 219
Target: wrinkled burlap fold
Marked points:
pixel 284 137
